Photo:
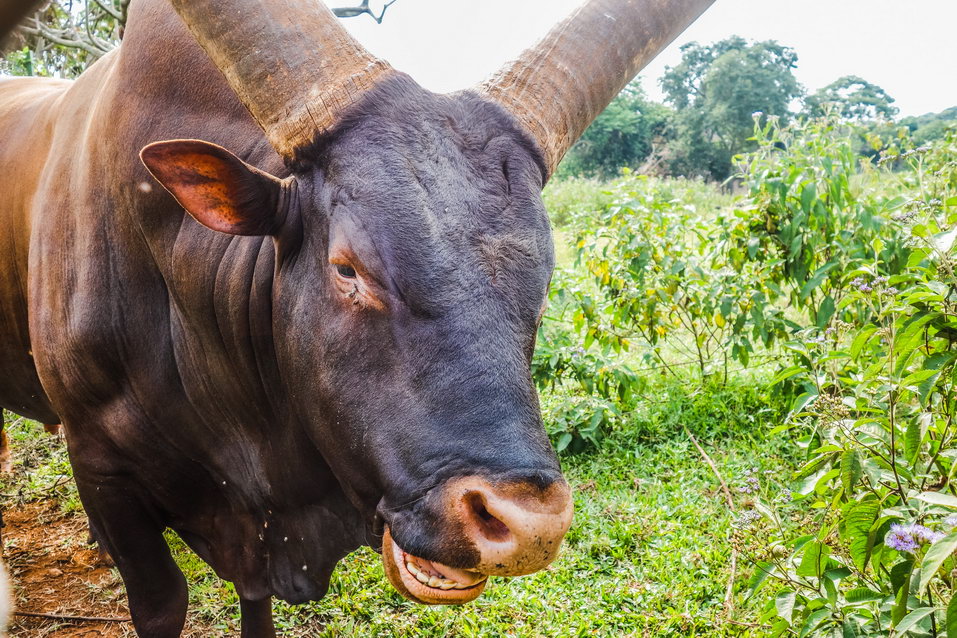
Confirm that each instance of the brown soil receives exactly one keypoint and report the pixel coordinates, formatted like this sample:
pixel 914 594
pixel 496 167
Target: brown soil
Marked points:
pixel 55 572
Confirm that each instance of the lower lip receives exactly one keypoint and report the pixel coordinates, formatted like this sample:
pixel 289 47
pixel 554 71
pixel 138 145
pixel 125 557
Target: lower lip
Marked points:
pixel 399 557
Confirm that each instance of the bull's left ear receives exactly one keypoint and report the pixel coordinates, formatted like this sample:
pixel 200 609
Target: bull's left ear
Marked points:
pixel 217 188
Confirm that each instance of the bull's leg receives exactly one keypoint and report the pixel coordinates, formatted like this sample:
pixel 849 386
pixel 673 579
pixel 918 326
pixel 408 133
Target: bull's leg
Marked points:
pixel 155 586
pixel 6 464
pixel 92 538
pixel 257 618
pixel 53 428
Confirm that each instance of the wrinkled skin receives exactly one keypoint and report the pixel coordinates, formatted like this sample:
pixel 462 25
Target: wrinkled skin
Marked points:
pixel 242 390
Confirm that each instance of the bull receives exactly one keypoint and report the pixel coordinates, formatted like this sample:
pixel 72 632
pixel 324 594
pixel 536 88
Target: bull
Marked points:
pixel 11 12
pixel 330 347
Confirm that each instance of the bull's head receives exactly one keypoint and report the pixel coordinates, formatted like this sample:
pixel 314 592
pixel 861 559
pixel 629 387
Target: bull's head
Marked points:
pixel 414 256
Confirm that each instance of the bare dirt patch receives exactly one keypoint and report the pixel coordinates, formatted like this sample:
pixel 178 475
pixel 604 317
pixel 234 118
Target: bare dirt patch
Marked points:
pixel 56 572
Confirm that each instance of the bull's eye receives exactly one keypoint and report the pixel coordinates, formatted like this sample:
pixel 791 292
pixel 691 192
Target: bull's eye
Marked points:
pixel 346 271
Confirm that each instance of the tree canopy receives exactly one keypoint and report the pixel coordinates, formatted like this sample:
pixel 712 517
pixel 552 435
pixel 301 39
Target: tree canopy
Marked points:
pixel 855 99
pixel 623 135
pixel 716 90
pixel 64 37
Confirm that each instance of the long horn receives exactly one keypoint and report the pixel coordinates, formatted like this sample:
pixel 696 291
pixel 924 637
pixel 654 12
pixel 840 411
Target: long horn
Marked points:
pixel 11 12
pixel 290 62
pixel 556 88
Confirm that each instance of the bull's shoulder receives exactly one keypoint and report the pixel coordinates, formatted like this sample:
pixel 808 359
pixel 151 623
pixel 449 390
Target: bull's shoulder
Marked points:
pixel 18 94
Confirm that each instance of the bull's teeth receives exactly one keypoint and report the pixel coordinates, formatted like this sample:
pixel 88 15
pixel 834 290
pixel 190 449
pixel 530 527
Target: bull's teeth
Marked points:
pixel 413 569
pixel 422 578
pixel 461 586
pixel 434 582
pixel 446 584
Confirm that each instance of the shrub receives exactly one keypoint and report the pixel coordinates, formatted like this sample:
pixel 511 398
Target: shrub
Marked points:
pixel 866 547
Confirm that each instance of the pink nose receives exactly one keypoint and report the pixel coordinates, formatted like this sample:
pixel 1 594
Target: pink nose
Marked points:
pixel 516 527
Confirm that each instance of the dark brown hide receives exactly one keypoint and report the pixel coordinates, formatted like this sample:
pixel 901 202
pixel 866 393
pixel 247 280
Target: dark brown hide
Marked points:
pixel 141 345
pixel 12 12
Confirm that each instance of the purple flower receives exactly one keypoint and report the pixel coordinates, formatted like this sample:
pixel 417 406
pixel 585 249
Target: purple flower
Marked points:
pixel 951 521
pixel 747 519
pixel 925 534
pixel 750 486
pixel 816 340
pixel 900 538
pixel 784 497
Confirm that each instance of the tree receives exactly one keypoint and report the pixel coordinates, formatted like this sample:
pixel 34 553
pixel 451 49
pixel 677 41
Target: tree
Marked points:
pixel 623 135
pixel 64 37
pixel 854 98
pixel 716 90
pixel 931 126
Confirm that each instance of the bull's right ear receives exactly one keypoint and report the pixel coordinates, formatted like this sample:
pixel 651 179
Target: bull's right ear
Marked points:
pixel 217 188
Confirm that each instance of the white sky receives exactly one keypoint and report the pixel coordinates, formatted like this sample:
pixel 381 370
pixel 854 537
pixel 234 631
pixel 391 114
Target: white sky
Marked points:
pixel 908 47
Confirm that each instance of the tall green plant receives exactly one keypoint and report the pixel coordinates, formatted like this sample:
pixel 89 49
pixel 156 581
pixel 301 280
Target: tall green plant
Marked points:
pixel 866 547
pixel 808 218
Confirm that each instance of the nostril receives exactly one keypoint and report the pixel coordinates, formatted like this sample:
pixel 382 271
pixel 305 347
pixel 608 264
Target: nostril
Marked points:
pixel 490 526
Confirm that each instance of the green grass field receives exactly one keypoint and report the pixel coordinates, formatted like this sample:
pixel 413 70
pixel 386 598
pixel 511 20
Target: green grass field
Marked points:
pixel 648 553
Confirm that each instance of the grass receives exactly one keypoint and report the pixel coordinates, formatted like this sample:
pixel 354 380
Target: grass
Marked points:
pixel 647 555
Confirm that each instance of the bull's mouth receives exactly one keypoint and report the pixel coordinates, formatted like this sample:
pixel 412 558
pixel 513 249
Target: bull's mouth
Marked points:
pixel 428 582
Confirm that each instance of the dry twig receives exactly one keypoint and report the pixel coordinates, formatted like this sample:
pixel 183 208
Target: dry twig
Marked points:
pixel 729 590
pixel 65 618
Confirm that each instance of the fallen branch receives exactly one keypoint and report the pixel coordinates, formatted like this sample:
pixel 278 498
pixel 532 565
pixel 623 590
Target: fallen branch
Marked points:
pixel 729 590
pixel 714 468
pixel 36 614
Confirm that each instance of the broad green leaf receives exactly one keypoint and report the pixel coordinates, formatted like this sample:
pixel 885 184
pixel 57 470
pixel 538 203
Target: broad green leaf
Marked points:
pixel 813 560
pixel 857 525
pixel 813 620
pixel 837 573
pixel 900 574
pixel 916 378
pixel 938 498
pixel 808 194
pixel 786 374
pixel 819 275
pixel 912 438
pixel 911 619
pixel 801 401
pixel 851 470
pixel 778 628
pixel 807 485
pixel 825 311
pixel 862 595
pixel 900 603
pixel 911 338
pixel 784 604
pixel 951 618
pixel 945 241
pixel 934 362
pixel 761 572
pixel 563 441
pixel 861 339
pixel 934 558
